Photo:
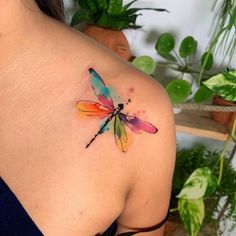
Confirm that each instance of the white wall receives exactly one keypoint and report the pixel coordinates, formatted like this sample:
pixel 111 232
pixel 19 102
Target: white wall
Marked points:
pixel 186 17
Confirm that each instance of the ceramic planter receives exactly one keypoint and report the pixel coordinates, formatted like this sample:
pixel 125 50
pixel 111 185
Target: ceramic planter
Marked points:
pixel 112 39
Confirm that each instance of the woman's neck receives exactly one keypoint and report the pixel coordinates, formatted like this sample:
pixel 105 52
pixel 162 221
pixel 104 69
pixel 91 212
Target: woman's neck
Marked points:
pixel 20 21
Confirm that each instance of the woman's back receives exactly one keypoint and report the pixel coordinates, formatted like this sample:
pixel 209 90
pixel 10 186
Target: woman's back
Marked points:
pixel 65 188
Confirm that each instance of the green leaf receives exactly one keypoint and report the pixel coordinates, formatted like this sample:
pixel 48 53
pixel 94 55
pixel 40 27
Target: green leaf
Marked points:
pixel 223 85
pixel 209 63
pixel 145 63
pixel 115 7
pixel 192 213
pixel 202 94
pixel 83 4
pixel 230 76
pixel 168 57
pixel 92 6
pixel 178 90
pixel 113 22
pixel 196 185
pixel 187 47
pixel 212 185
pixel 165 43
pixel 128 5
pixel 102 4
pixel 232 19
pixel 80 16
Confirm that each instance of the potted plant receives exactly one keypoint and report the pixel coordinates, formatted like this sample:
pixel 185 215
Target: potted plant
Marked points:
pixel 182 61
pixel 215 84
pixel 223 86
pixel 203 179
pixel 106 19
pixel 186 62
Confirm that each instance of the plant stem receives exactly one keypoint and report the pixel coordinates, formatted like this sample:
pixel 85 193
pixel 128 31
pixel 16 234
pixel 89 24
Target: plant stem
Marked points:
pixel 211 48
pixel 183 69
pixel 178 58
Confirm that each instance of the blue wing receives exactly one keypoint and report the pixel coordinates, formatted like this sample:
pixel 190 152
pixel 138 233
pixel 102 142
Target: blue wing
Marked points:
pixel 100 89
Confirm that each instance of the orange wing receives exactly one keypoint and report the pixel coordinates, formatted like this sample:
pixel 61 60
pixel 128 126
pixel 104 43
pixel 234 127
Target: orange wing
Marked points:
pixel 90 108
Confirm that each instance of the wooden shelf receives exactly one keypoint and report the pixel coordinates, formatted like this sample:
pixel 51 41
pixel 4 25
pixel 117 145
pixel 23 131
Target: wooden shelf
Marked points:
pixel 199 123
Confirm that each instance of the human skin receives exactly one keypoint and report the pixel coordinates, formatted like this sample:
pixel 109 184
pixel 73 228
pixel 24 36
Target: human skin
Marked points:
pixel 65 188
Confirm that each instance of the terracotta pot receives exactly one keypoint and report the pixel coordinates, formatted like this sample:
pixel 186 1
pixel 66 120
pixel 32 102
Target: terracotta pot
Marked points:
pixel 112 39
pixel 224 118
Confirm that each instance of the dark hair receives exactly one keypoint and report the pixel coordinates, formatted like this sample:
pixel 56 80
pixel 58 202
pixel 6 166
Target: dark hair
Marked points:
pixel 53 8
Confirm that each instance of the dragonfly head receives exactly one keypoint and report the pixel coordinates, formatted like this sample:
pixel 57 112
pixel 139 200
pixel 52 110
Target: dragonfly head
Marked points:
pixel 121 106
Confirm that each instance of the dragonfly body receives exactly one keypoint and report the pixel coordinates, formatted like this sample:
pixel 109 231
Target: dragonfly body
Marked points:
pixel 117 111
pixel 105 108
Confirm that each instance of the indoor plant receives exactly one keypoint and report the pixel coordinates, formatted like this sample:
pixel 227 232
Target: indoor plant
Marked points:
pixel 223 39
pixel 224 88
pixel 213 83
pixel 184 62
pixel 106 19
pixel 201 179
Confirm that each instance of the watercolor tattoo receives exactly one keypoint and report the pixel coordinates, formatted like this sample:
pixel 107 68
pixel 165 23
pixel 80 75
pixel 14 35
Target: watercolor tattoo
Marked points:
pixel 105 109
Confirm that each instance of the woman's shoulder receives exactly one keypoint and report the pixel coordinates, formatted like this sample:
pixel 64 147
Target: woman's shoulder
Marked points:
pixel 139 139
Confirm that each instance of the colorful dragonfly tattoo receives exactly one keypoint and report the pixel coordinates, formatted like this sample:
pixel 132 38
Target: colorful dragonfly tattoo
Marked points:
pixel 105 108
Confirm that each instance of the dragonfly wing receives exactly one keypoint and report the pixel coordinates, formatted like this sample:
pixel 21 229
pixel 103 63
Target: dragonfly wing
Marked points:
pixel 121 137
pixel 100 89
pixel 91 108
pixel 137 125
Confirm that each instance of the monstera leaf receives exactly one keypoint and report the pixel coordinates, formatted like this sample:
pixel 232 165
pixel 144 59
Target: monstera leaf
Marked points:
pixel 223 85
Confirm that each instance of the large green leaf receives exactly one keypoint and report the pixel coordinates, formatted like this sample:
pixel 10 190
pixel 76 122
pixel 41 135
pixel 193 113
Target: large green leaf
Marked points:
pixel 202 94
pixel 145 63
pixel 196 185
pixel 192 212
pixel 115 7
pixel 223 85
pixel 165 43
pixel 187 47
pixel 178 90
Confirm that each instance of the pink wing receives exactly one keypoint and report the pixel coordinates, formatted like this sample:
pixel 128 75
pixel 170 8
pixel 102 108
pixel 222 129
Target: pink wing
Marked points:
pixel 137 125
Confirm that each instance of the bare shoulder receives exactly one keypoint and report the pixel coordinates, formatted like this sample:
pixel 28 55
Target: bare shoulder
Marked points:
pixel 147 122
pixel 152 154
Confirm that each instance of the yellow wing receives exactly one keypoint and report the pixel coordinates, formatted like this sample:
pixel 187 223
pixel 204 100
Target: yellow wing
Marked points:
pixel 121 136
